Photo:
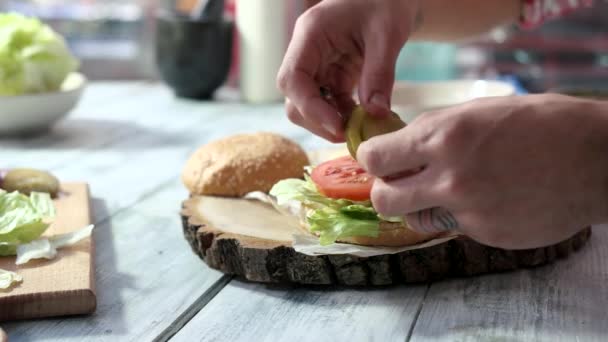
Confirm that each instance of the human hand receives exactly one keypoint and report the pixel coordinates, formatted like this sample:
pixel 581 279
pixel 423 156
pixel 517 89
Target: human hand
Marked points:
pixel 510 172
pixel 337 44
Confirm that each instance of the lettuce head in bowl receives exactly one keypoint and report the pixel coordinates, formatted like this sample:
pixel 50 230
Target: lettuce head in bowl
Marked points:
pixel 33 57
pixel 38 79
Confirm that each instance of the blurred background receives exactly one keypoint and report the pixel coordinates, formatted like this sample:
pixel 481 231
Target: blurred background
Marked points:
pixel 114 40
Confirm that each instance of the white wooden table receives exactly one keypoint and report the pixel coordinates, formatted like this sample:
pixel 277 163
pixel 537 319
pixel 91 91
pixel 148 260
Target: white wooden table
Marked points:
pixel 130 140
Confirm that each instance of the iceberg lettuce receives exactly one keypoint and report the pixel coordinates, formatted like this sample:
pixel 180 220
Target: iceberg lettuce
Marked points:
pixel 33 57
pixel 331 218
pixel 23 219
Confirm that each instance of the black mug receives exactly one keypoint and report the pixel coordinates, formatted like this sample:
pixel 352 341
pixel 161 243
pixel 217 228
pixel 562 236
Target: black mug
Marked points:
pixel 193 56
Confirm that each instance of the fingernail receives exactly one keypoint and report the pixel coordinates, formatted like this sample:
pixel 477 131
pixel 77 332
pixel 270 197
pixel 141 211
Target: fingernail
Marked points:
pixel 379 100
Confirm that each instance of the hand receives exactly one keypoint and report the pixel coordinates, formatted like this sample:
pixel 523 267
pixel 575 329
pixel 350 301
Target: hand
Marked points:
pixel 330 43
pixel 512 172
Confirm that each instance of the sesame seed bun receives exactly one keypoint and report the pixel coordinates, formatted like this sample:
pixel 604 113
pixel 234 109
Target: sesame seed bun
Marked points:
pixel 243 163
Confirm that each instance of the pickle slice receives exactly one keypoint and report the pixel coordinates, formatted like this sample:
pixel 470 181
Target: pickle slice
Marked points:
pixel 362 126
pixel 27 181
pixel 353 130
pixel 373 126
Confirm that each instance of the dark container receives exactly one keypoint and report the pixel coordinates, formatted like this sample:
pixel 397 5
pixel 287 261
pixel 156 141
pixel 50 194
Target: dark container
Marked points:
pixel 193 56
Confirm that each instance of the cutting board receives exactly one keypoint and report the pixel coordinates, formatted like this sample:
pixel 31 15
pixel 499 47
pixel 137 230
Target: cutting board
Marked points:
pixel 252 240
pixel 64 285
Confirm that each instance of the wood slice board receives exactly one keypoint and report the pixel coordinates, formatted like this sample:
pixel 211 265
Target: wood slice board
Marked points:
pixel 64 285
pixel 252 240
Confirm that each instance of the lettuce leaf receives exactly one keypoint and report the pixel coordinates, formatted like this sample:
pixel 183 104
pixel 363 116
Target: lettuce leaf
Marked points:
pixel 331 218
pixel 23 219
pixel 332 225
pixel 47 248
pixel 33 58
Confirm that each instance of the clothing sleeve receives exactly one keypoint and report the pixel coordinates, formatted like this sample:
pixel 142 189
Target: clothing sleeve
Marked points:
pixel 536 12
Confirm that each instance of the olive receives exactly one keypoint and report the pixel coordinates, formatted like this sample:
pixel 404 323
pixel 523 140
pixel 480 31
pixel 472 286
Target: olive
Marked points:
pixel 27 181
pixel 362 126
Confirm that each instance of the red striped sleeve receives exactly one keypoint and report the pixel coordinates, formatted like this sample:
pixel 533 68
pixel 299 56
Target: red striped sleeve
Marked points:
pixel 536 12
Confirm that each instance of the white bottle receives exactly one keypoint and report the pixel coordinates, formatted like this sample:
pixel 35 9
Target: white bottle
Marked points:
pixel 262 30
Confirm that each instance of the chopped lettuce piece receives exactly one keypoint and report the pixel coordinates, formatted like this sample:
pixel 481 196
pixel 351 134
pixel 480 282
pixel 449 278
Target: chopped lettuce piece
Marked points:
pixel 23 219
pixel 47 248
pixel 36 249
pixel 8 279
pixel 33 57
pixel 69 239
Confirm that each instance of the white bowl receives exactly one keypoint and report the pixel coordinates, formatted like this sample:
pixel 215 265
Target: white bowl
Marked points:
pixel 31 113
pixel 412 99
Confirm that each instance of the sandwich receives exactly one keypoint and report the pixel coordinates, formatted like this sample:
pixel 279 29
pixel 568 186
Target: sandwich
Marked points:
pixel 334 196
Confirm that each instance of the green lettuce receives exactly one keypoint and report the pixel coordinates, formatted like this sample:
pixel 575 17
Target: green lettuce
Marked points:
pixel 33 57
pixel 23 219
pixel 332 219
pixel 8 278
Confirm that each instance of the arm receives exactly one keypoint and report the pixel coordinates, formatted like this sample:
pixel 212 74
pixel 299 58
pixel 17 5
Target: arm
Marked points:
pixel 454 20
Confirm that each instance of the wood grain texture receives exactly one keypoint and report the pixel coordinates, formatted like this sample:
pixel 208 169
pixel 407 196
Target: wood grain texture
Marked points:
pixel 255 312
pixel 147 278
pixel 252 240
pixel 64 285
pixel 565 301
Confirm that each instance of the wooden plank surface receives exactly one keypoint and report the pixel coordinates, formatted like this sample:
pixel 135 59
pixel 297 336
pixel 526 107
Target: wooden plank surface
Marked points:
pixel 565 301
pixel 131 148
pixel 130 141
pixel 254 312
pixel 61 286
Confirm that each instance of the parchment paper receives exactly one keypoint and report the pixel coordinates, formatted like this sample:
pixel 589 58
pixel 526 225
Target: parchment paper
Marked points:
pixel 309 244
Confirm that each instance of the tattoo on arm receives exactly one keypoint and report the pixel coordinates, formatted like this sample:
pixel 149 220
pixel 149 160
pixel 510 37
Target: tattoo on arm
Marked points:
pixel 437 219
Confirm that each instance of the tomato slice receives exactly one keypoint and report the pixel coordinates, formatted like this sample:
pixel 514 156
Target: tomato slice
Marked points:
pixel 343 178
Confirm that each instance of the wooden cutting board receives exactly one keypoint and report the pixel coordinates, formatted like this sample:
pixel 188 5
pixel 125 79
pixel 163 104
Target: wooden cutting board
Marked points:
pixel 64 285
pixel 252 240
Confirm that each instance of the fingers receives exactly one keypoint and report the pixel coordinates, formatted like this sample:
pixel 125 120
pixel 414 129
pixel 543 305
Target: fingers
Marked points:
pixel 405 195
pixel 432 220
pixel 391 154
pixel 297 118
pixel 378 74
pixel 296 80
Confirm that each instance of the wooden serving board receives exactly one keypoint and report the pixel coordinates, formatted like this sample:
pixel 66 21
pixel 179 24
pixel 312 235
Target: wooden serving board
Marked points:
pixel 252 240
pixel 64 285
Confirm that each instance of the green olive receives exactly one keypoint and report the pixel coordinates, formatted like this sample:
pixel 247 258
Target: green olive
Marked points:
pixel 27 181
pixel 362 126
